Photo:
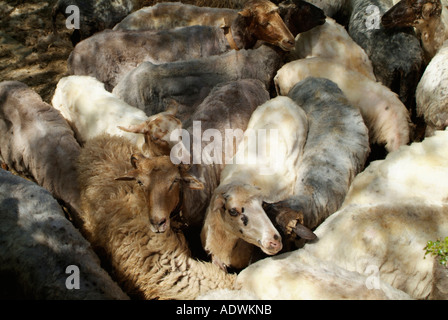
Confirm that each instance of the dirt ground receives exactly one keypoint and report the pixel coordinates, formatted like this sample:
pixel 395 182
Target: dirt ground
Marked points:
pixel 29 51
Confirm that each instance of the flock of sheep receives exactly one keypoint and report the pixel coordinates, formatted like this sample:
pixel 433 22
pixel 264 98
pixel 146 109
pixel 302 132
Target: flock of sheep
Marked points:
pixel 110 184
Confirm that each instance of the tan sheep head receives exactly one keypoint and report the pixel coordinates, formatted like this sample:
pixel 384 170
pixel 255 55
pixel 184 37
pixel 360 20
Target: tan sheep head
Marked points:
pixel 157 189
pixel 267 25
pixel 157 130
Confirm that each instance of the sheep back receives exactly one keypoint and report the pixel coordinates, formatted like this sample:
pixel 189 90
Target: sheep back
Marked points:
pixel 36 141
pixel 189 82
pixel 38 244
pixel 432 93
pixel 335 152
pixel 109 55
pixel 389 238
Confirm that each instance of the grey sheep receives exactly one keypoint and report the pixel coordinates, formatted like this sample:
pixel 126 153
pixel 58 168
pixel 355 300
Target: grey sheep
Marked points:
pixel 36 141
pixel 38 246
pixel 190 82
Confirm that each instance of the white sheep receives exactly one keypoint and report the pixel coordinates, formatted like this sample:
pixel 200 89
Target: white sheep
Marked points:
pixel 432 92
pixel 391 210
pixel 385 115
pixel 299 275
pixel 92 110
pixel 332 41
pixel 40 247
pixel 388 239
pixel 363 252
pixel 417 173
pixel 235 219
pixel 146 264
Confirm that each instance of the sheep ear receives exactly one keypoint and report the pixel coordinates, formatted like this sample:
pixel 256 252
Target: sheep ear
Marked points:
pixel 192 182
pixel 218 202
pixel 171 106
pixel 428 10
pixel 129 176
pixel 247 13
pixel 224 23
pixel 135 159
pixel 138 128
pixel 126 178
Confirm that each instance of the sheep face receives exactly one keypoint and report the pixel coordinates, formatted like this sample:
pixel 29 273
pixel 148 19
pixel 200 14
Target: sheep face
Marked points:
pixel 243 216
pixel 411 13
pixel 265 24
pixel 156 193
pixel 301 16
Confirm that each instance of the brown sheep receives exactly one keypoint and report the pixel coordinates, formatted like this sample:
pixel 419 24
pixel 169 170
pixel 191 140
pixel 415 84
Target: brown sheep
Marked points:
pixel 152 185
pixel 146 264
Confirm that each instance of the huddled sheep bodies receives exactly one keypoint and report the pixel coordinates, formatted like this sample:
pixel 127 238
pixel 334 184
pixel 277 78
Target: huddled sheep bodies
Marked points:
pixel 91 110
pixel 385 115
pixel 189 82
pixel 118 52
pixel 226 109
pixel 149 264
pixel 140 211
pixel 332 41
pixel 235 219
pixel 44 149
pixel 382 256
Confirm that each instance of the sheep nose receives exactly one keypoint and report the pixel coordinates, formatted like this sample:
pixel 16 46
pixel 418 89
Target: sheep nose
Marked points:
pixel 288 44
pixel 273 245
pixel 159 226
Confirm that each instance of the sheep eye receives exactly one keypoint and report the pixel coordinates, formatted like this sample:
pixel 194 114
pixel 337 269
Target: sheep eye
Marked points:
pixel 233 212
pixel 174 182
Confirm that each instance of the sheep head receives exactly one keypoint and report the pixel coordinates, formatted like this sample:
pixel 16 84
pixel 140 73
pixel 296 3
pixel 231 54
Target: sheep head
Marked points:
pixel 157 130
pixel 411 13
pixel 265 24
pixel 157 189
pixel 236 212
pixel 301 16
